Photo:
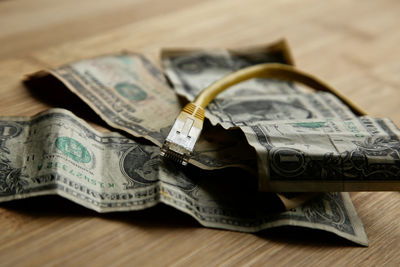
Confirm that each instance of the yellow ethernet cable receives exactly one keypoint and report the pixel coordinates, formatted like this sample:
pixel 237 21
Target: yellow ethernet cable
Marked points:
pixel 180 142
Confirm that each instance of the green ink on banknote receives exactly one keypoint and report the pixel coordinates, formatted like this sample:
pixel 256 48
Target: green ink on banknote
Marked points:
pixel 311 125
pixel 73 149
pixel 353 128
pixel 130 91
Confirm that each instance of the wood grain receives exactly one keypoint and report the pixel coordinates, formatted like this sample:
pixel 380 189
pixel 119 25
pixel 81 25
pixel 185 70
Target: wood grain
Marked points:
pixel 354 45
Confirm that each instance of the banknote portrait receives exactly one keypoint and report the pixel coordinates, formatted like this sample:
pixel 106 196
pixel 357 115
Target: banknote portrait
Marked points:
pixel 140 164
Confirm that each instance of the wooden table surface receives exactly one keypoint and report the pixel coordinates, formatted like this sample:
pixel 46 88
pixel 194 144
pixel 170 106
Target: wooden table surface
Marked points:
pixel 354 45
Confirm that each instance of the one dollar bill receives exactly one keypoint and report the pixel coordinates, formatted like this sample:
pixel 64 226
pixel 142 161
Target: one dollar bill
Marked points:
pixel 55 152
pixel 361 154
pixel 192 70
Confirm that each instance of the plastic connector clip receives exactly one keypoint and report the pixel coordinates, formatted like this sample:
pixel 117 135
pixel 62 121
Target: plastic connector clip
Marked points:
pixel 180 142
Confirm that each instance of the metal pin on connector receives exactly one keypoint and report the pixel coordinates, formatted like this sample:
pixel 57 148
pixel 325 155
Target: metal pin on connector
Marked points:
pixel 180 142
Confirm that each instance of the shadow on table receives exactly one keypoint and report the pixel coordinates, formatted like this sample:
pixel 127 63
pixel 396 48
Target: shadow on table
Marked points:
pixel 52 92
pixel 294 235
pixel 163 216
pixel 55 206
